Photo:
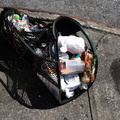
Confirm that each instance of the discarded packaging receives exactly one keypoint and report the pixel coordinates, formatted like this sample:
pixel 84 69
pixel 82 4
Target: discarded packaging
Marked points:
pixel 38 52
pixel 22 23
pixel 72 66
pixel 69 83
pixel 71 43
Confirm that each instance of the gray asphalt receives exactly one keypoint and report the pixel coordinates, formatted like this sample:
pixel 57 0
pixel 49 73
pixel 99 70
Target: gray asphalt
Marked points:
pixel 105 11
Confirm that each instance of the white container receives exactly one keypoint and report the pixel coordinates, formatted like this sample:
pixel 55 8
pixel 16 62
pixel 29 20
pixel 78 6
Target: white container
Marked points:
pixel 72 66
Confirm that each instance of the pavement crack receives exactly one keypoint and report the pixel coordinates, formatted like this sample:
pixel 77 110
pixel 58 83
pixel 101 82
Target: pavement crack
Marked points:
pixel 90 107
pixel 99 41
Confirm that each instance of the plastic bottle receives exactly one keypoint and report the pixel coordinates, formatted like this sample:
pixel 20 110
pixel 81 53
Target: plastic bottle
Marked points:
pixel 38 52
pixel 15 20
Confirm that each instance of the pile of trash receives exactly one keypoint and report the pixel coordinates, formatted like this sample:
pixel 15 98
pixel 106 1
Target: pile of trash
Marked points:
pixel 74 60
pixel 23 24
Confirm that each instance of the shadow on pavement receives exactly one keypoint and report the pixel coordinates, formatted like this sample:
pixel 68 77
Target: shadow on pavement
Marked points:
pixel 22 83
pixel 114 68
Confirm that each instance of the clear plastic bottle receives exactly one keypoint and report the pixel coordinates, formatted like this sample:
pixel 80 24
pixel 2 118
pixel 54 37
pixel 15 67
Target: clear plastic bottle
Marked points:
pixel 38 51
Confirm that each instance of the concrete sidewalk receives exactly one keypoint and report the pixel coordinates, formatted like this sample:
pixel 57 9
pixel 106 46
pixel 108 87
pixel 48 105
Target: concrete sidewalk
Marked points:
pixel 101 102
